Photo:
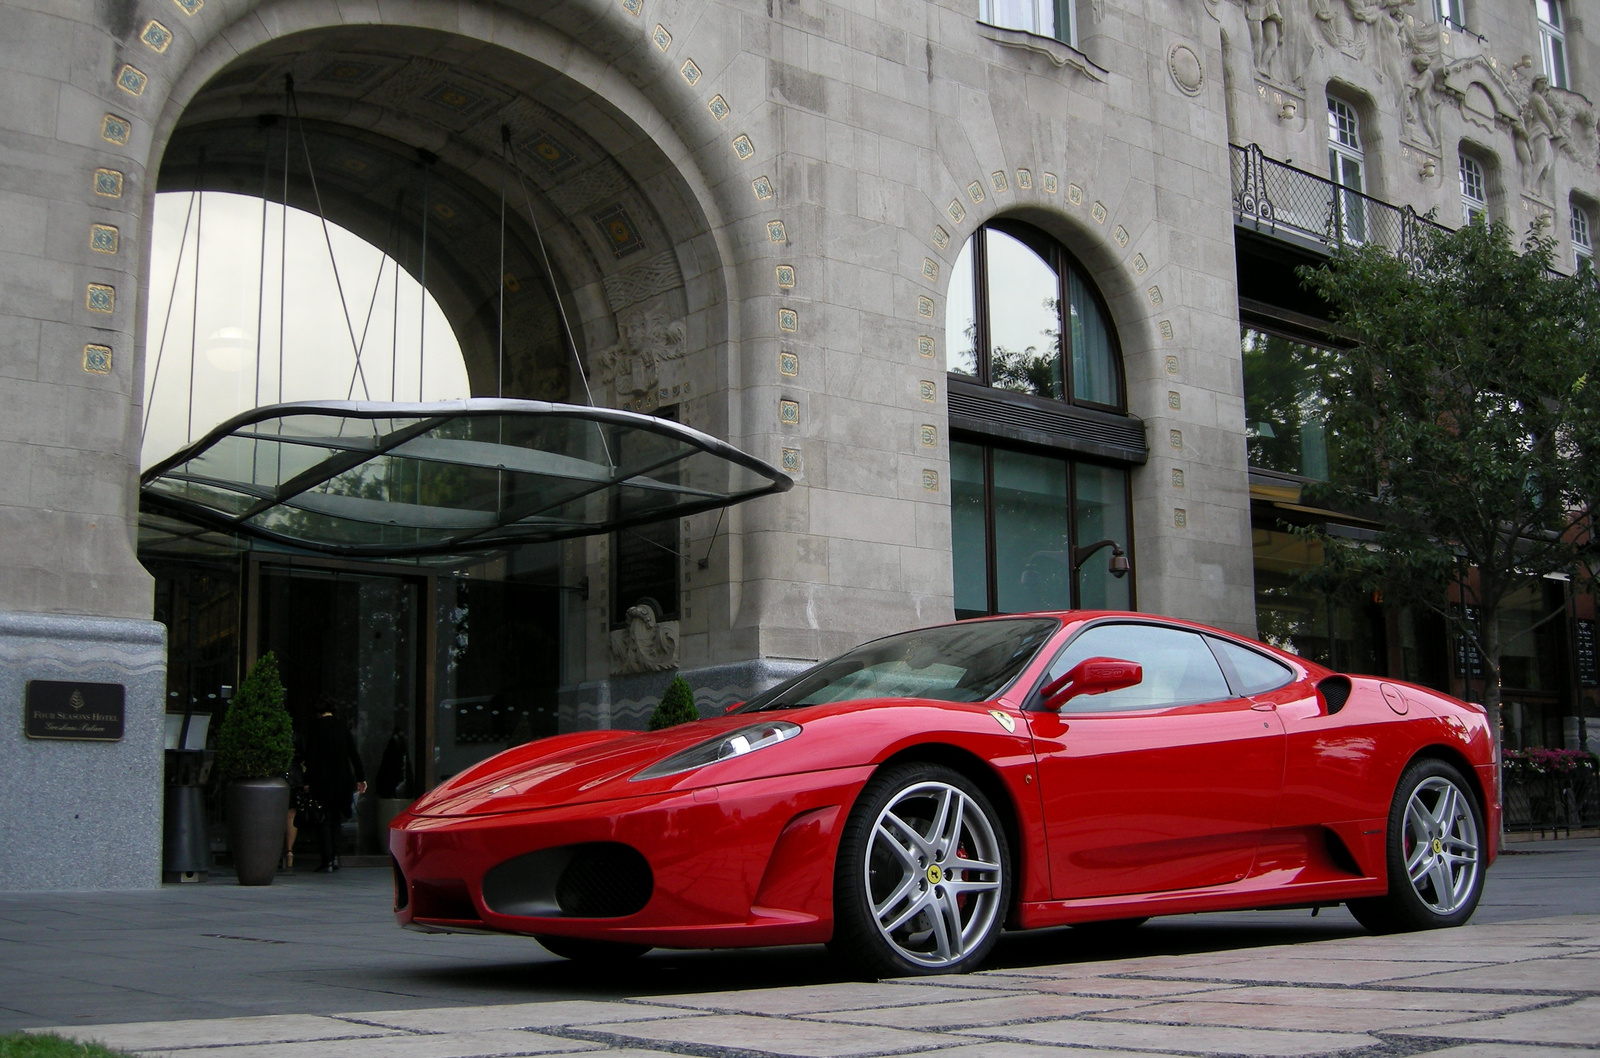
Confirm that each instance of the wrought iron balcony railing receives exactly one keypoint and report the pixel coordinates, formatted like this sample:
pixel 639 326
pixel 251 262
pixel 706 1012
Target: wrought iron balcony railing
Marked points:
pixel 1279 199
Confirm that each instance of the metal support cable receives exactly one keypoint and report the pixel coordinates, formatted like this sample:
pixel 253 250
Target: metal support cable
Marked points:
pixel 555 292
pixel 500 354
pixel 322 215
pixel 194 309
pixel 172 295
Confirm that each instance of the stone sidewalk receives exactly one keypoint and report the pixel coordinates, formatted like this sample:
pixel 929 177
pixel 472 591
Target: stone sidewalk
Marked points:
pixel 1526 989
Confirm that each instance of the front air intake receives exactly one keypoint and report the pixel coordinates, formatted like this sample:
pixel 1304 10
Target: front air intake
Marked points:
pixel 600 879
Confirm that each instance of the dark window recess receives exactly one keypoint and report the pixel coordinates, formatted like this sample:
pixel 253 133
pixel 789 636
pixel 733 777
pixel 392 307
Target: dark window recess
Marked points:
pixel 644 563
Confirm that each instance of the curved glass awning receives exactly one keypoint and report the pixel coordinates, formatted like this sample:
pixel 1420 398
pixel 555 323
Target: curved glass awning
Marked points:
pixel 378 480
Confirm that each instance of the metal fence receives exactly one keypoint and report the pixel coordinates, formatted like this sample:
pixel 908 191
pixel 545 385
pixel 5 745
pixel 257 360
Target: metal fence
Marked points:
pixel 1550 800
pixel 1279 199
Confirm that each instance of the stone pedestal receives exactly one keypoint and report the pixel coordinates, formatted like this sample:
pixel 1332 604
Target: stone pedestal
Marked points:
pixel 79 814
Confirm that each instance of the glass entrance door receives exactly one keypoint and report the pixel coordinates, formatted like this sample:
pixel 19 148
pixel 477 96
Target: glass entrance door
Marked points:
pixel 353 641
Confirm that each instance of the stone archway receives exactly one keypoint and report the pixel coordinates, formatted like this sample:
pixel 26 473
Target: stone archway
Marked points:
pixel 398 121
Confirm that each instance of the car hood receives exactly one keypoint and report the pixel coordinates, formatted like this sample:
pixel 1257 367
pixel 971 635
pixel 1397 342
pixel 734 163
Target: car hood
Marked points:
pixel 590 766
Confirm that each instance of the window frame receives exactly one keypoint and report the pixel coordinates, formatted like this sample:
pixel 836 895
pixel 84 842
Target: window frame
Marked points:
pixel 1060 260
pixel 1064 13
pixel 1450 13
pixel 987 448
pixel 1352 212
pixel 1553 42
pixel 1580 230
pixel 1470 203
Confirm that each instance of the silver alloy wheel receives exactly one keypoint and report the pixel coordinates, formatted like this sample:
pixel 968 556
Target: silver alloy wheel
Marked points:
pixel 1440 845
pixel 933 874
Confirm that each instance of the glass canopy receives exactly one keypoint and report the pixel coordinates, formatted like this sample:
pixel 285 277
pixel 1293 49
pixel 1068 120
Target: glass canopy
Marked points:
pixel 389 480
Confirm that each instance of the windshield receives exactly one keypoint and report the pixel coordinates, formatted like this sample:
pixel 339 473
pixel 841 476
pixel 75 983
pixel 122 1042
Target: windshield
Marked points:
pixel 969 662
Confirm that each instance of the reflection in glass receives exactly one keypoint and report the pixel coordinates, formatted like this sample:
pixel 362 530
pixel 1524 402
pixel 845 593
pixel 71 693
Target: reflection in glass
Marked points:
pixel 1024 319
pixel 1032 549
pixel 1094 375
pixel 1310 623
pixel 1101 513
pixel 1285 410
pixel 961 318
pixel 969 538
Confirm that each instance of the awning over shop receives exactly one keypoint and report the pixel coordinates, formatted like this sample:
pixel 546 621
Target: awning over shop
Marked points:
pixel 382 480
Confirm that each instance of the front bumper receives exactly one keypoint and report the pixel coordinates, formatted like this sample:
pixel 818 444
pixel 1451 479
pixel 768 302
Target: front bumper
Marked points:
pixel 738 865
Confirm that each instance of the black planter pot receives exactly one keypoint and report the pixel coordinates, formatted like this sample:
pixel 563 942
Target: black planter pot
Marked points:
pixel 257 809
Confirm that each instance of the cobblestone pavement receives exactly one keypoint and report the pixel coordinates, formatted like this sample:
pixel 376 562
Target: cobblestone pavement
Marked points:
pixel 1510 990
pixel 323 973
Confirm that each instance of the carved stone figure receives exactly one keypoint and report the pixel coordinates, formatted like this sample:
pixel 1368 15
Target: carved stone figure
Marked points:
pixel 647 337
pixel 648 644
pixel 1331 19
pixel 1299 45
pixel 1532 132
pixel 1266 33
pixel 1423 99
pixel 1364 15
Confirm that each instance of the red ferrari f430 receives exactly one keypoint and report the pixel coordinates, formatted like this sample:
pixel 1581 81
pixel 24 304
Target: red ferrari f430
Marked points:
pixel 908 800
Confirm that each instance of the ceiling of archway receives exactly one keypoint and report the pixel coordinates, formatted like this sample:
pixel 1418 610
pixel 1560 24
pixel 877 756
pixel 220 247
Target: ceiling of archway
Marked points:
pixel 392 118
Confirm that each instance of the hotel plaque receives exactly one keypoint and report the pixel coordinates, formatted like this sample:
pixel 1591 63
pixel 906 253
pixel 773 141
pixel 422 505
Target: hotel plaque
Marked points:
pixel 89 712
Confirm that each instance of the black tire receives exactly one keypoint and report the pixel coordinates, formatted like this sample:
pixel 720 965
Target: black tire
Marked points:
pixel 1434 850
pixel 911 897
pixel 591 952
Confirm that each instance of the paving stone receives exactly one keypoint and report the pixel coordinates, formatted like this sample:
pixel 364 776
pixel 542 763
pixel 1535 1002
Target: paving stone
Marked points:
pixel 978 1011
pixel 808 1039
pixel 1122 987
pixel 1563 974
pixel 1314 971
pixel 215 1032
pixel 1021 1050
pixel 1361 998
pixel 1303 1015
pixel 496 1043
pixel 1188 1039
pixel 811 999
pixel 1577 1022
pixel 512 1016
pixel 1500 1050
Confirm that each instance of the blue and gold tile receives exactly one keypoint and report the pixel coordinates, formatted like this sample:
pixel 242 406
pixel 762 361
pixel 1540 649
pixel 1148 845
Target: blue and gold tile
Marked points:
pixel 788 320
pixel 718 107
pixel 97 359
pixel 114 129
pixel 100 298
pixel 108 183
pixel 155 36
pixel 103 238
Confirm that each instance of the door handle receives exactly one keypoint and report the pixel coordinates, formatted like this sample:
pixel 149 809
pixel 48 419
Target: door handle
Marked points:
pixel 1264 707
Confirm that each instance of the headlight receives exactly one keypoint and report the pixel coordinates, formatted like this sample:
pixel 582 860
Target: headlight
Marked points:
pixel 734 744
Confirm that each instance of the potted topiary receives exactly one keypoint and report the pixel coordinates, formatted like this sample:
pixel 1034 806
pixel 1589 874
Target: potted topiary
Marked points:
pixel 254 748
pixel 677 706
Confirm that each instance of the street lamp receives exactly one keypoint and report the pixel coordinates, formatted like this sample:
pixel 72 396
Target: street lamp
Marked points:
pixel 1119 559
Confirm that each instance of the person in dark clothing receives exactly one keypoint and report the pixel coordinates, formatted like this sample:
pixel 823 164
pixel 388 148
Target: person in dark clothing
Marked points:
pixel 334 773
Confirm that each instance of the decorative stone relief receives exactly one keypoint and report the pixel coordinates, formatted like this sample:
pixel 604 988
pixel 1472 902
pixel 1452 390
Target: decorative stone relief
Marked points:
pixel 647 336
pixel 1183 64
pixel 648 644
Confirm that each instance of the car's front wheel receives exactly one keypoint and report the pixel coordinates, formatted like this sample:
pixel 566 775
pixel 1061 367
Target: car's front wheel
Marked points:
pixel 923 875
pixel 1435 853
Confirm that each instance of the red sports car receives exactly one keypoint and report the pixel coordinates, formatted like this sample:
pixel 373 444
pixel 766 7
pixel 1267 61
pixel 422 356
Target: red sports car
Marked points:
pixel 907 800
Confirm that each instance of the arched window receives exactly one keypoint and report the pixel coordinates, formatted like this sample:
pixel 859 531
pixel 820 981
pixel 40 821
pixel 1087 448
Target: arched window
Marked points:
pixel 1033 360
pixel 1346 165
pixel 1582 243
pixel 1022 316
pixel 1474 190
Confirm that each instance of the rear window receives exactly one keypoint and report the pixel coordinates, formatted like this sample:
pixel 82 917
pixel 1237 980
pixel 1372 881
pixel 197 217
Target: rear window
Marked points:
pixel 1256 673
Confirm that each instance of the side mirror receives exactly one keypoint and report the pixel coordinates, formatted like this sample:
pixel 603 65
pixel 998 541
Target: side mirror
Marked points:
pixel 1091 676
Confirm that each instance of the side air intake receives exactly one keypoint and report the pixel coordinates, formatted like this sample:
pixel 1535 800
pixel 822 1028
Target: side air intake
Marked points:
pixel 1335 690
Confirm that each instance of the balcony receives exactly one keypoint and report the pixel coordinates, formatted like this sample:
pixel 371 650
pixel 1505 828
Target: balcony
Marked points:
pixel 1313 211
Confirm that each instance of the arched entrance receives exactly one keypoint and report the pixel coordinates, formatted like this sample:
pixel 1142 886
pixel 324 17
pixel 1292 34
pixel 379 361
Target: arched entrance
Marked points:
pixel 552 235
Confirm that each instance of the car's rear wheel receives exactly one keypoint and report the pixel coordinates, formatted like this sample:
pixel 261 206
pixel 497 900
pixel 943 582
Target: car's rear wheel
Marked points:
pixel 1434 851
pixel 593 952
pixel 923 874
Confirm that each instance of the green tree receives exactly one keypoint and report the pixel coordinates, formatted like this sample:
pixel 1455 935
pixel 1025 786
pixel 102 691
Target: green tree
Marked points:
pixel 256 740
pixel 1466 421
pixel 677 706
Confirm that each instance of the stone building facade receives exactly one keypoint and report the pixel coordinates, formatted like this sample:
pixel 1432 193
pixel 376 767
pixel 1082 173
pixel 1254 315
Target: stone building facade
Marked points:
pixel 753 211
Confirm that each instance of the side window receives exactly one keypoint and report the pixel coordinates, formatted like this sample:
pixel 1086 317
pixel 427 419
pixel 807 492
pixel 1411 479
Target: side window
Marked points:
pixel 1257 673
pixel 1178 668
